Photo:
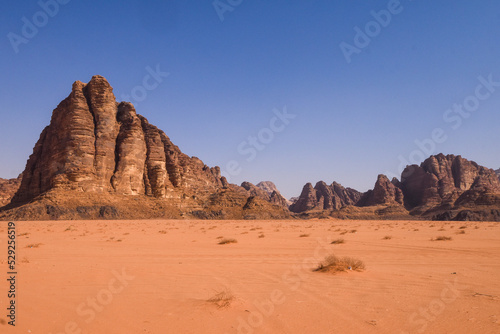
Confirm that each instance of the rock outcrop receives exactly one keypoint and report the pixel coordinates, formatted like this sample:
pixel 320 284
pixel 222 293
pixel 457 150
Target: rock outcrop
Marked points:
pixel 442 187
pixel 8 187
pixel 498 172
pixel 385 192
pixel 325 197
pixel 93 144
pixel 97 150
pixel 267 191
pixel 446 182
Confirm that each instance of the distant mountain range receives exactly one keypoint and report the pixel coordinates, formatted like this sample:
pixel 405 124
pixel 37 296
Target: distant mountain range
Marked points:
pixel 99 159
pixel 441 188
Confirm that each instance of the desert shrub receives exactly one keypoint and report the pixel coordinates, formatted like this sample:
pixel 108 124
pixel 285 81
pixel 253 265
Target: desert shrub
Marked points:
pixel 222 299
pixel 226 241
pixel 442 238
pixel 336 264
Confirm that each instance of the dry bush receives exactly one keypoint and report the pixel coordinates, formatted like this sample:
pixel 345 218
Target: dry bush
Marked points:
pixel 33 245
pixel 262 236
pixel 222 299
pixel 461 232
pixel 463 227
pixel 303 235
pixel 336 264
pixel 387 237
pixel 353 231
pixel 442 238
pixel 227 241
pixel 338 241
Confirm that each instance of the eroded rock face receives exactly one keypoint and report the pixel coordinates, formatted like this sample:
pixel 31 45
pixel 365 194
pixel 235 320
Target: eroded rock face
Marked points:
pixel 8 187
pixel 267 191
pixel 275 196
pixel 385 192
pixel 325 197
pixel 93 144
pixel 448 181
pixel 498 172
pixel 268 186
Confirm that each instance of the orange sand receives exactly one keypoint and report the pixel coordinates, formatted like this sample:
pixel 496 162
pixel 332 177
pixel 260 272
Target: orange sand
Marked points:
pixel 158 277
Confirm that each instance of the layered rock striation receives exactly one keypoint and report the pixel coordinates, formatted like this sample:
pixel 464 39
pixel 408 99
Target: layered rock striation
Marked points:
pixel 94 144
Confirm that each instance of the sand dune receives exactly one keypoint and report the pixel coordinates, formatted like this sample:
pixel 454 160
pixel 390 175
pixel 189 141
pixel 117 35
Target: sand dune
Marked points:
pixel 174 277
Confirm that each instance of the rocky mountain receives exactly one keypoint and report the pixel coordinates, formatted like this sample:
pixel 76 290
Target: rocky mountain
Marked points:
pixel 442 187
pixel 385 192
pixel 448 182
pixel 267 191
pixel 7 189
pixel 276 197
pixel 325 197
pixel 498 172
pixel 97 148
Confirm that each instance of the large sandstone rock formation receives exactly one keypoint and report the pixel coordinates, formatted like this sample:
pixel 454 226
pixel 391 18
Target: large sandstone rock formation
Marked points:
pixel 94 144
pixel 442 187
pixel 447 182
pixel 267 191
pixel 7 189
pixel 385 192
pixel 96 147
pixel 325 197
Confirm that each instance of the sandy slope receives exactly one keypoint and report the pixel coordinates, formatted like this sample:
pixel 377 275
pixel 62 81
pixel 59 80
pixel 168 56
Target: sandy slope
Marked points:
pixel 157 277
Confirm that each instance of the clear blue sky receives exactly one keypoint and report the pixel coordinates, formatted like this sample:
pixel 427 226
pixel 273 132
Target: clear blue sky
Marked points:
pixel 353 120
